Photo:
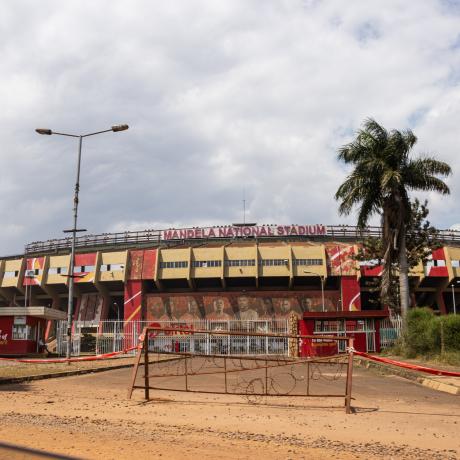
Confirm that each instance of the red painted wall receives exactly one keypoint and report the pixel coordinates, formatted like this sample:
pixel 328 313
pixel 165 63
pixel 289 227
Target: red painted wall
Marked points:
pixel 8 346
pixel 438 254
pixel 148 267
pixel 33 264
pixel 351 293
pixel 85 260
pixel 133 300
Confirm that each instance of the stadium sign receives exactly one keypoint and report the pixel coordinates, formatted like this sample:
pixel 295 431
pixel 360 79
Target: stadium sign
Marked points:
pixel 233 231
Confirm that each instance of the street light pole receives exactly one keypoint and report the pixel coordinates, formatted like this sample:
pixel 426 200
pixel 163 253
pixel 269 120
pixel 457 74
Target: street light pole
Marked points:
pixel 453 299
pixel 74 229
pixel 321 278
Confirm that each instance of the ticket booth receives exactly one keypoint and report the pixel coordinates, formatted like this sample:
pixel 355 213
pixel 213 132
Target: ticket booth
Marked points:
pixel 363 326
pixel 21 328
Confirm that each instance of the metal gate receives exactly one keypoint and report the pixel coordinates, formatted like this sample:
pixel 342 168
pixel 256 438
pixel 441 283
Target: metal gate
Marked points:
pixel 61 338
pixel 342 328
pixel 253 377
pixel 111 336
pixel 390 331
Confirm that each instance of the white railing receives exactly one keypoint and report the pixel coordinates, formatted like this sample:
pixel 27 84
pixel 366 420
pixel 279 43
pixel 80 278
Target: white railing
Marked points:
pixel 112 336
pixel 154 237
pixel 390 331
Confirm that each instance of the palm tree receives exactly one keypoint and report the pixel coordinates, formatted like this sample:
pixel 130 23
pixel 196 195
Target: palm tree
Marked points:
pixel 380 182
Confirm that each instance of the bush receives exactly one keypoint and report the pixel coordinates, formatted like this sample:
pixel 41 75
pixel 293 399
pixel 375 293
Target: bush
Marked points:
pixel 425 334
pixel 451 332
pixel 421 332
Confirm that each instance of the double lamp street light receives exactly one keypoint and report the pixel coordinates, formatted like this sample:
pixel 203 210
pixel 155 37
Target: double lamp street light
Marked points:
pixel 74 230
pixel 322 280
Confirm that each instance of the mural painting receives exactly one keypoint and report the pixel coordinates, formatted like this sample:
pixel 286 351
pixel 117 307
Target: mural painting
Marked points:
pixel 235 306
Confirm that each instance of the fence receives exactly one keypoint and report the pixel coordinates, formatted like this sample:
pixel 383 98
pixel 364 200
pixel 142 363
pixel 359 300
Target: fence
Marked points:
pixel 250 376
pixel 390 331
pixel 345 232
pixel 111 336
pixel 342 328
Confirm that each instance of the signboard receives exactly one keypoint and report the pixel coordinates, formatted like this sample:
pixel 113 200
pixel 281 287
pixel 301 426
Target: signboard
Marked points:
pixel 232 231
pixel 19 320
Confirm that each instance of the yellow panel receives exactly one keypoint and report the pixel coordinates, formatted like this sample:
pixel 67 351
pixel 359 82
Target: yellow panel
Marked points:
pixel 12 266
pixel 172 273
pixel 173 255
pixel 114 257
pixel 115 275
pixel 280 252
pixel 207 254
pixel 310 252
pixel 59 261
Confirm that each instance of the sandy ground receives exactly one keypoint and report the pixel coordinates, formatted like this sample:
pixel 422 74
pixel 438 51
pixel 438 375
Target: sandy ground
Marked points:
pixel 90 417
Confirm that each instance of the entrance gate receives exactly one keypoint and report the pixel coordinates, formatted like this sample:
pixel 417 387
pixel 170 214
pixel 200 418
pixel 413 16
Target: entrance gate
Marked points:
pixel 111 336
pixel 254 377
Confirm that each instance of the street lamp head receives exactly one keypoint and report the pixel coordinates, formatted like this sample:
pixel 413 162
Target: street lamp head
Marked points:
pixel 48 132
pixel 117 128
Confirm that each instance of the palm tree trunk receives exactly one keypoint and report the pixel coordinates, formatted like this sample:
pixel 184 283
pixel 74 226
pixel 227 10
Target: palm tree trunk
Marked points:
pixel 403 273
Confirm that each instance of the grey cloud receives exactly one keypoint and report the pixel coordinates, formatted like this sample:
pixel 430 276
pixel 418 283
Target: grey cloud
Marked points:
pixel 220 96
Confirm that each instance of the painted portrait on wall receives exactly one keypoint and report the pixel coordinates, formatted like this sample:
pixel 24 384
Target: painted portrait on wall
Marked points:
pixel 218 308
pixel 235 306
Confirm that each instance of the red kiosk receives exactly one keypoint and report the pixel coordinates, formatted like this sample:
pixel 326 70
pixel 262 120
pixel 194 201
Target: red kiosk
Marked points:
pixel 364 326
pixel 21 328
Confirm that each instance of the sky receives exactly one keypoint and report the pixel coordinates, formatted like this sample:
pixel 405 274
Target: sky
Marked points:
pixel 224 99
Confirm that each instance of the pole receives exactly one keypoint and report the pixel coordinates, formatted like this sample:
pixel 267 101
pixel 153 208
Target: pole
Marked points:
pixel 341 278
pixel 453 299
pixel 322 289
pixel 72 253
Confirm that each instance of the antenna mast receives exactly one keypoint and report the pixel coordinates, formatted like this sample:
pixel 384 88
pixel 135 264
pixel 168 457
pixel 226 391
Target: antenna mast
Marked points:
pixel 244 205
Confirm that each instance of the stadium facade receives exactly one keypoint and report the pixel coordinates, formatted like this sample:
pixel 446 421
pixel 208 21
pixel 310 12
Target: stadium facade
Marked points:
pixel 243 272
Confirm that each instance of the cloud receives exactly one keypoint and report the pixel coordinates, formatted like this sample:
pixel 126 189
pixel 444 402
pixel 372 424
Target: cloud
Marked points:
pixel 220 96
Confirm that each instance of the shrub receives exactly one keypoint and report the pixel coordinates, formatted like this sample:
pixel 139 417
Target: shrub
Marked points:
pixel 421 335
pixel 451 332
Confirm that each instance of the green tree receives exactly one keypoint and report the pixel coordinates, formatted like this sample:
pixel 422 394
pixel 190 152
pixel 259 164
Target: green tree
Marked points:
pixel 421 239
pixel 380 183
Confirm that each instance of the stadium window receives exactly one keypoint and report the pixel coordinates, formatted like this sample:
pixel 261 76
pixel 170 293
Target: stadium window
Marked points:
pixel 308 262
pixel 175 264
pixel 11 274
pixel 455 263
pixel 273 262
pixel 206 263
pixel 53 270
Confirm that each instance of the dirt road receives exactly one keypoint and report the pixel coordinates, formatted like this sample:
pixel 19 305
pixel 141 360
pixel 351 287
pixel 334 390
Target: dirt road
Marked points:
pixel 89 417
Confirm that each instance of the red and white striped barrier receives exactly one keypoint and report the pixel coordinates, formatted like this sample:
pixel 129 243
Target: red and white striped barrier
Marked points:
pixel 70 360
pixel 413 367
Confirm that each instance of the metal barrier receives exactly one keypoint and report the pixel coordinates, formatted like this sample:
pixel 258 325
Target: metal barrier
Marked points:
pixel 111 336
pixel 342 327
pixel 251 376
pixel 61 339
pixel 390 331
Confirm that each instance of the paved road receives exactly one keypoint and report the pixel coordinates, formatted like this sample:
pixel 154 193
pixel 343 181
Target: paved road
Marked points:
pixel 89 416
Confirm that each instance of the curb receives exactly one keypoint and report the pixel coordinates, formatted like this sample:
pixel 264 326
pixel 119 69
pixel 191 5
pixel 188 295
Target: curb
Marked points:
pixel 30 378
pixel 409 375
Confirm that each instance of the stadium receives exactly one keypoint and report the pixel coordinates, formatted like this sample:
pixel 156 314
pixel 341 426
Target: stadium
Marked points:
pixel 240 272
